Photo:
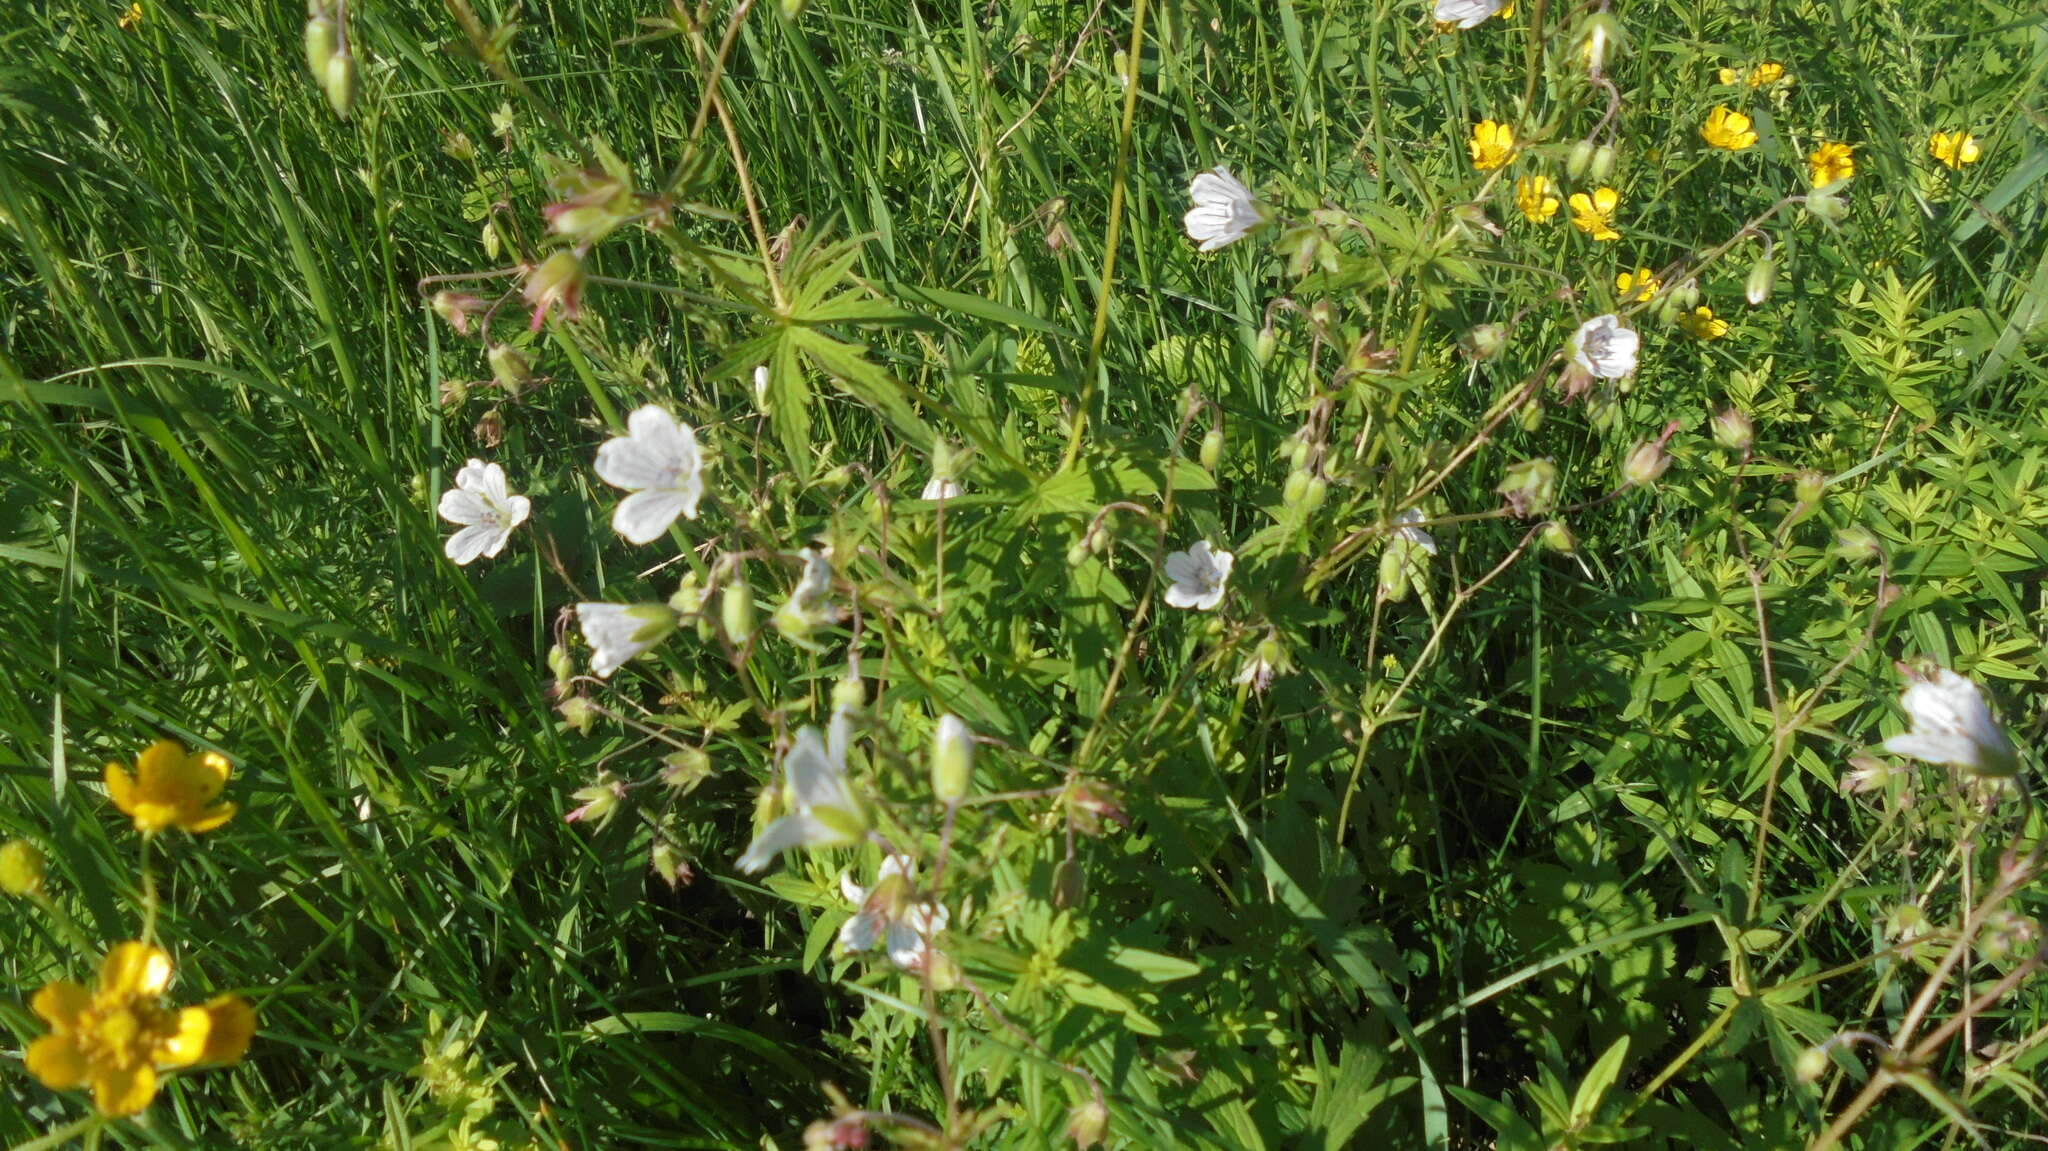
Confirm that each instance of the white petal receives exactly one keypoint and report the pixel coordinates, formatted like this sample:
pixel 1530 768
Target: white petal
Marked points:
pixel 463 507
pixel 861 932
pixel 778 837
pixel 853 892
pixel 1959 750
pixel 475 540
pixel 516 510
pixel 1183 567
pixel 906 947
pixel 643 516
pixel 815 778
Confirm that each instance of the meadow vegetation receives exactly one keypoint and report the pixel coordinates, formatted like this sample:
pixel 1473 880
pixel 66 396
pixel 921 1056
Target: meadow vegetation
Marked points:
pixel 1221 574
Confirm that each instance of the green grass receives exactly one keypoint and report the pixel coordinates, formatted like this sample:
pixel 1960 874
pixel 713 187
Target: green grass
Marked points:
pixel 222 435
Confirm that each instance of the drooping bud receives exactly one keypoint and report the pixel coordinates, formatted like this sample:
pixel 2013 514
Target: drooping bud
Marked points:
pixel 578 713
pixel 323 39
pixel 600 801
pixel 1559 538
pixel 557 281
pixel 682 770
pixel 1530 487
pixel 1296 488
pixel 1313 495
pixel 1826 207
pixel 561 666
pixel 952 759
pixel 849 694
pixel 1078 554
pixel 1857 545
pixel 736 612
pixel 1811 1065
pixel 1267 343
pixel 1530 415
pixel 21 868
pixel 1762 278
pixel 666 860
pixel 1395 578
pixel 340 82
pixel 510 368
pixel 457 307
pixel 1647 461
pixel 1212 448
pixel 1733 430
pixel 1087 1124
pixel 1808 485
pixel 1485 341
pixel 1579 159
pixel 1602 167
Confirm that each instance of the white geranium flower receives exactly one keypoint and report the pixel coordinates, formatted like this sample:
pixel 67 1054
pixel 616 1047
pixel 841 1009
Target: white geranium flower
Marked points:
pixel 1199 575
pixel 1603 348
pixel 1224 210
pixel 942 488
pixel 822 811
pixel 1404 529
pixel 1467 13
pixel 658 462
pixel 618 632
pixel 1952 725
pixel 889 914
pixel 485 507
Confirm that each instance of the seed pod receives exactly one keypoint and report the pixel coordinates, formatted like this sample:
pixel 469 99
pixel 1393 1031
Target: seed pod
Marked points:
pixel 952 759
pixel 1648 461
pixel 736 612
pixel 322 41
pixel 1579 160
pixel 340 83
pixel 1762 278
pixel 510 367
pixel 1212 449
pixel 1602 167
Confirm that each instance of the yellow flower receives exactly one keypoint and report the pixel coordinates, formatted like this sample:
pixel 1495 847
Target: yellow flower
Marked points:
pixel 1594 215
pixel 1507 10
pixel 1536 196
pixel 1768 72
pixel 1701 324
pixel 1727 129
pixel 1730 76
pixel 1641 285
pixel 1831 163
pixel 1491 145
pixel 171 788
pixel 1954 148
pixel 21 868
pixel 131 18
pixel 118 1035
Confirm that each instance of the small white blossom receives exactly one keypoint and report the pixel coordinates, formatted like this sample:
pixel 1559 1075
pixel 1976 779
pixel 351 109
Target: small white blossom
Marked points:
pixel 887 914
pixel 1199 575
pixel 809 606
pixel 1224 210
pixel 485 507
pixel 1404 529
pixel 1603 348
pixel 1952 725
pixel 658 462
pixel 619 632
pixel 822 809
pixel 1467 13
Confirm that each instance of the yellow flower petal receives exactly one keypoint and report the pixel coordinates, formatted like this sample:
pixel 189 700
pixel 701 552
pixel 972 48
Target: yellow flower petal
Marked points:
pixel 59 1003
pixel 134 969
pixel 185 1046
pixel 159 761
pixel 56 1061
pixel 123 1091
pixel 233 1024
pixel 121 788
pixel 209 819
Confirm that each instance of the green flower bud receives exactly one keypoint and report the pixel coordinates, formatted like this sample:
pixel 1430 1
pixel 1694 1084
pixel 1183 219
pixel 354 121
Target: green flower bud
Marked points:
pixel 1530 415
pixel 1733 430
pixel 1087 1124
pixel 1267 343
pixel 1812 1064
pixel 683 770
pixel 1647 461
pixel 510 367
pixel 689 597
pixel 849 694
pixel 1530 487
pixel 1318 490
pixel 1826 207
pixel 578 713
pixel 340 82
pixel 1807 486
pixel 322 41
pixel 1579 160
pixel 1485 341
pixel 1078 554
pixel 1298 454
pixel 21 869
pixel 1559 538
pixel 952 759
pixel 562 667
pixel 1394 580
pixel 666 860
pixel 1857 545
pixel 1296 489
pixel 1212 449
pixel 736 612
pixel 1601 168
pixel 1763 276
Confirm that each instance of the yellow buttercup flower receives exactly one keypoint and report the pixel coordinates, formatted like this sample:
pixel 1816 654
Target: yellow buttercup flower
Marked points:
pixel 117 1036
pixel 1536 196
pixel 1701 324
pixel 1768 72
pixel 1730 76
pixel 1491 144
pixel 172 788
pixel 1594 215
pixel 131 18
pixel 1728 129
pixel 1831 163
pixel 1640 285
pixel 1954 148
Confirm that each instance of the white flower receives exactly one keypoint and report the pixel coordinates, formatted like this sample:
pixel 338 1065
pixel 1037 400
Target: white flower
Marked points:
pixel 942 488
pixel 822 809
pixel 618 632
pixel 808 607
pixel 761 387
pixel 1467 13
pixel 1602 347
pixel 1414 535
pixel 658 462
pixel 1224 211
pixel 1198 576
pixel 486 509
pixel 1952 725
pixel 887 914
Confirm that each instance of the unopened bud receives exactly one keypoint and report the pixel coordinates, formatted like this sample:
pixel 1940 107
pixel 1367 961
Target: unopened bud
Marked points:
pixel 952 759
pixel 1078 554
pixel 1857 545
pixel 509 367
pixel 1826 207
pixel 1212 449
pixel 1323 314
pixel 689 597
pixel 1264 347
pixel 1530 415
pixel 1762 278
pixel 1087 1124
pixel 684 769
pixel 1530 487
pixel 1296 488
pixel 849 694
pixel 21 868
pixel 1579 159
pixel 1601 169
pixel 1645 463
pixel 1807 486
pixel 1312 497
pixel 1733 430
pixel 666 860
pixel 323 39
pixel 1485 341
pixel 1559 538
pixel 1811 1065
pixel 1394 575
pixel 340 82
pixel 791 9
pixel 561 665
pixel 1298 455
pixel 736 612
pixel 599 801
pixel 578 712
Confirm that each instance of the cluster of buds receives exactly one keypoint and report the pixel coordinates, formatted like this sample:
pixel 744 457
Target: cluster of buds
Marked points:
pixel 328 58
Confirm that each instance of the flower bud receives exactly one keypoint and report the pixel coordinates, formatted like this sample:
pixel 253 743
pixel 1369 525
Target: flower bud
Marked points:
pixel 1579 159
pixel 1212 449
pixel 1826 207
pixel 791 9
pixel 1078 554
pixel 1394 579
pixel 558 280
pixel 1733 430
pixel 666 860
pixel 1762 278
pixel 455 308
pixel 1323 314
pixel 340 82
pixel 1811 1065
pixel 689 597
pixel 600 801
pixel 1485 341
pixel 849 694
pixel 1530 487
pixel 1601 169
pixel 1559 538
pixel 952 759
pixel 561 665
pixel 1313 495
pixel 1645 463
pixel 1267 343
pixel 684 769
pixel 21 868
pixel 509 367
pixel 1087 1124
pixel 1857 545
pixel 1808 485
pixel 578 713
pixel 1300 451
pixel 736 612
pixel 323 40
pixel 1296 488
pixel 1530 415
